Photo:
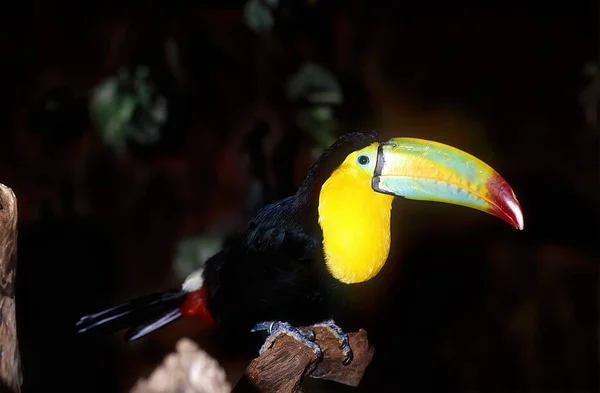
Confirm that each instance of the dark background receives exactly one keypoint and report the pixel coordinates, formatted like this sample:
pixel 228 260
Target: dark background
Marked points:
pixel 465 303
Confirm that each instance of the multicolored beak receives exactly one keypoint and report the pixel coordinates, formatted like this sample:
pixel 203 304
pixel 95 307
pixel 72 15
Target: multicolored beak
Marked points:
pixel 431 171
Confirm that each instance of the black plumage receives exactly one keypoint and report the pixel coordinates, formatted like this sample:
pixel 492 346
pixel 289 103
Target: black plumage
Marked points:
pixel 275 272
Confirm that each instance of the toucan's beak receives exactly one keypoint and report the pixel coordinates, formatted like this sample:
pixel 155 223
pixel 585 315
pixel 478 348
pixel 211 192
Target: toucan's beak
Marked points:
pixel 431 171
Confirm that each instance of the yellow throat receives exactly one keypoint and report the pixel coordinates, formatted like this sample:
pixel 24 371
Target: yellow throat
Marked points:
pixel 355 221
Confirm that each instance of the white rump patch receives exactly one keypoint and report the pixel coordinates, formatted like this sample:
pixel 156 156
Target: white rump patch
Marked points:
pixel 194 281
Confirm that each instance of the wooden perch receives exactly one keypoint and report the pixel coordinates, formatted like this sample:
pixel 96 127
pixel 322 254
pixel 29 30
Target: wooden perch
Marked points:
pixel 10 361
pixel 283 367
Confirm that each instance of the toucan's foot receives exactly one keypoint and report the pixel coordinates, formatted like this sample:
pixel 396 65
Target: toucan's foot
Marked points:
pixel 277 328
pixel 342 338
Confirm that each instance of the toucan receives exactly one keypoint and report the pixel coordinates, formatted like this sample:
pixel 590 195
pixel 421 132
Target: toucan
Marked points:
pixel 299 255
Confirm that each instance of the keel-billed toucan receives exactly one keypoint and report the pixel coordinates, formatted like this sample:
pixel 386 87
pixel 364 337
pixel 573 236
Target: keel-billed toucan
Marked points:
pixel 297 253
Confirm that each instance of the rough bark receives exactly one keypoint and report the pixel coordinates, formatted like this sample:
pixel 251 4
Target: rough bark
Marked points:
pixel 283 367
pixel 10 362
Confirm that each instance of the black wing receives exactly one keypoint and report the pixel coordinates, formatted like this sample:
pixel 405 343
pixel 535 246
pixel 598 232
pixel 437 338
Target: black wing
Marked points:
pixel 272 274
pixel 284 227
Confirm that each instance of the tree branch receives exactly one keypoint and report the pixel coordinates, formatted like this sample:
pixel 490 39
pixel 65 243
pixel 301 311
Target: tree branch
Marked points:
pixel 10 361
pixel 283 367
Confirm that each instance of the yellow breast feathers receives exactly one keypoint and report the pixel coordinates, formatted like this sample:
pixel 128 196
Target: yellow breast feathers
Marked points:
pixel 355 221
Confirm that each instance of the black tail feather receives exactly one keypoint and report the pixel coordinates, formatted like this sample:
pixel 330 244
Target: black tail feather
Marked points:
pixel 142 315
pixel 146 328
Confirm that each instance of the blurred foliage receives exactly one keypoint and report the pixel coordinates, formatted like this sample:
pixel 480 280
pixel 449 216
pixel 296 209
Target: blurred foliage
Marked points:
pixel 128 107
pixel 259 15
pixel 317 91
pixel 192 252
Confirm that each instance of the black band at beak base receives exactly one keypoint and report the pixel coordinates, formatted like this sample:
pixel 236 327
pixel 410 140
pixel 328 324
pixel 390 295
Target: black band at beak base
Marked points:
pixel 380 159
pixel 379 167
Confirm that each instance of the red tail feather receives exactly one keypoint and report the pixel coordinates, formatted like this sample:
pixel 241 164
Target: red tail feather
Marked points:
pixel 195 306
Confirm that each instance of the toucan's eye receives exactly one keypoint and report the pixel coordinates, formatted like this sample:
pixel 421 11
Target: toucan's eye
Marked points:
pixel 363 160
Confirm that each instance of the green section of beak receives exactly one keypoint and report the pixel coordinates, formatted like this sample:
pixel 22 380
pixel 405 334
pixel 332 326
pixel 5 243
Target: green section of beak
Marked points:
pixel 431 171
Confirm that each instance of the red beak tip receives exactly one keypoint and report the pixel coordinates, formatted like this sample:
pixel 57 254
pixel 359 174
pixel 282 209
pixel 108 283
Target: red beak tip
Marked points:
pixel 516 216
pixel 506 204
pixel 519 226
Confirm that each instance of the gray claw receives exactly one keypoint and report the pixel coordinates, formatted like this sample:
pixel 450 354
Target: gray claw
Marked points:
pixel 342 339
pixel 277 328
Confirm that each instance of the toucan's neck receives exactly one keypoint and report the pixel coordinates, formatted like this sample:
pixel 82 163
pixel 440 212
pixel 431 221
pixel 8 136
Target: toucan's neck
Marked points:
pixel 355 221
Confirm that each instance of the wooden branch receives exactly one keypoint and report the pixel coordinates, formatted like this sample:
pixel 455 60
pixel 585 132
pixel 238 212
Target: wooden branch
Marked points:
pixel 283 367
pixel 10 361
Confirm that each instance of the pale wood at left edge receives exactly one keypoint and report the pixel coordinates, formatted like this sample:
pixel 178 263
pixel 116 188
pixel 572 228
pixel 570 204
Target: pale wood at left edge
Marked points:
pixel 10 360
